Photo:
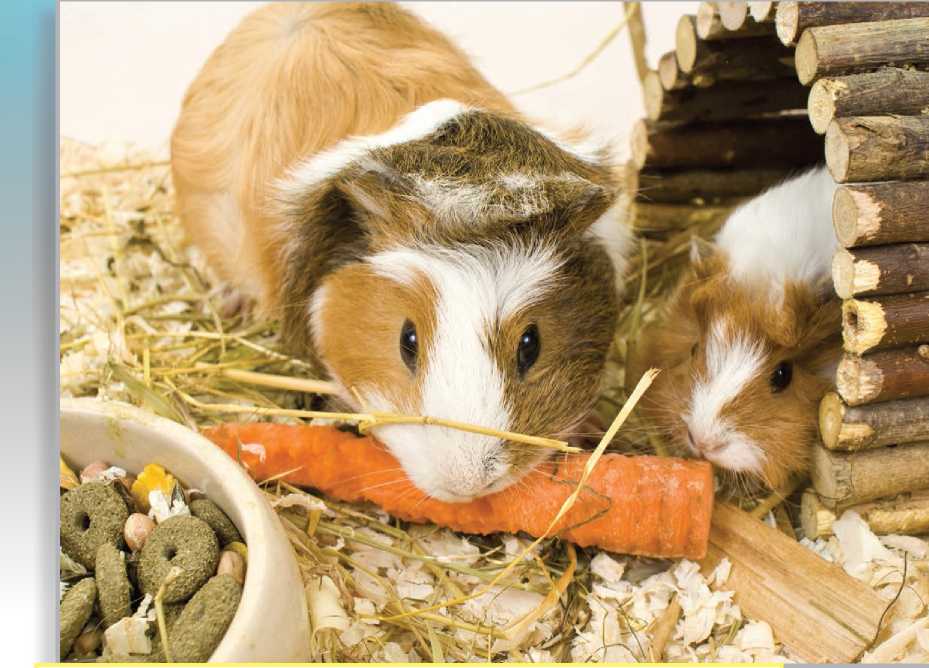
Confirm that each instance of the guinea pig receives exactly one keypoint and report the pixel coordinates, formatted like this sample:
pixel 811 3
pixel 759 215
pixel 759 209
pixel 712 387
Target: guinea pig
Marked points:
pixel 751 338
pixel 423 245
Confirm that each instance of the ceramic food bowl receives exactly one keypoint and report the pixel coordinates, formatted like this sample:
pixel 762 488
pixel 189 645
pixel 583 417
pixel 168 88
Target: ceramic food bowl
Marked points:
pixel 271 623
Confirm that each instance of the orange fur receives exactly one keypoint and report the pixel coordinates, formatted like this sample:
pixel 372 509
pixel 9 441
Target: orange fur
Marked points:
pixel 230 144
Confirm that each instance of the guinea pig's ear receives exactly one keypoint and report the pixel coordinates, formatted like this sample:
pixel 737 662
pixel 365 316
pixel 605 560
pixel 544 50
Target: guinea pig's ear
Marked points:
pixel 706 258
pixel 381 202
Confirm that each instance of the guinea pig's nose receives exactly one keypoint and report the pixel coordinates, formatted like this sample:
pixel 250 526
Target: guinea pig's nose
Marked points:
pixel 702 446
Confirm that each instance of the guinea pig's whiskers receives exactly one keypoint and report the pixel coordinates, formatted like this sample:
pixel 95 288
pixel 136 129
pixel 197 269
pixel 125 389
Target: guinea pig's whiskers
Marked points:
pixel 371 420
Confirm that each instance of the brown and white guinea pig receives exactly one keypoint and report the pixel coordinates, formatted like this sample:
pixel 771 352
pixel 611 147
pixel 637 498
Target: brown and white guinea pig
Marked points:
pixel 427 248
pixel 751 338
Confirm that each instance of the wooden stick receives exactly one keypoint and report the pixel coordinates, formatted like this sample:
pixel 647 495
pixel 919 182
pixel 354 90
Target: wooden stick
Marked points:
pixel 710 27
pixel 881 270
pixel 890 90
pixel 859 47
pixel 794 590
pixel 786 142
pixel 722 102
pixel 709 185
pixel 878 148
pixel 885 322
pixel 670 74
pixel 792 18
pixel 899 373
pixel 668 217
pixel 758 58
pixel 733 13
pixel 845 427
pixel 762 12
pixel 901 514
pixel 882 213
pixel 282 382
pixel 637 38
pixel 845 479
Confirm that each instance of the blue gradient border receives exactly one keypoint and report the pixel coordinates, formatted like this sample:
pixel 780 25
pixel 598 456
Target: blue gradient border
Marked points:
pixel 29 335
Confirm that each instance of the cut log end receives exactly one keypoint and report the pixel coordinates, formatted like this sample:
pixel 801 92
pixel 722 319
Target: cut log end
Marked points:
pixel 821 104
pixel 707 19
pixel 668 72
pixel 806 57
pixel 863 325
pixel 843 274
pixel 761 11
pixel 787 22
pixel 838 151
pixel 854 216
pixel 685 42
pixel 653 95
pixel 858 380
pixel 815 518
pixel 733 14
pixel 831 413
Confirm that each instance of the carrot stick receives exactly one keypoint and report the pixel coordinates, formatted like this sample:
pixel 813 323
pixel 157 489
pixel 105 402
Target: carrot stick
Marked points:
pixel 655 506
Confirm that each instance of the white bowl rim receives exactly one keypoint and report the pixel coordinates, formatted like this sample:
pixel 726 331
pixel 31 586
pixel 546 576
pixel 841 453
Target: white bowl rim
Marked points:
pixel 259 523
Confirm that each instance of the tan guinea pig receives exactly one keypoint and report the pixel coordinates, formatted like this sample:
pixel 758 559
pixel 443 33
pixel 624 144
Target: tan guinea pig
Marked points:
pixel 750 341
pixel 427 248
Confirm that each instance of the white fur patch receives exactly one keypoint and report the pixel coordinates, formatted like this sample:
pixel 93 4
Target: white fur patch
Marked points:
pixel 417 124
pixel 783 234
pixel 477 288
pixel 731 363
pixel 589 150
pixel 613 232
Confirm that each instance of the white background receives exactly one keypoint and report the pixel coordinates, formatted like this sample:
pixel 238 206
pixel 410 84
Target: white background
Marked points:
pixel 125 65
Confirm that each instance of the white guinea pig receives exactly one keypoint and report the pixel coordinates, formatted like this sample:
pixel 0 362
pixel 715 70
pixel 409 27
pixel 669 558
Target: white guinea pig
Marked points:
pixel 427 248
pixel 752 336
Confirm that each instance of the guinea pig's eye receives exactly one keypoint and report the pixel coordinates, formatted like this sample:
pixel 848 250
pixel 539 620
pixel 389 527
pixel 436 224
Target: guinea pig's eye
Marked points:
pixel 528 351
pixel 409 345
pixel 694 349
pixel 780 379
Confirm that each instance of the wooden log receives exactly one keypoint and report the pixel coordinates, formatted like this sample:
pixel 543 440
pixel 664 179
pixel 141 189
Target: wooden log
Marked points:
pixel 762 12
pixel 754 59
pixel 723 102
pixel 815 518
pixel 667 217
pixel 859 47
pixel 882 213
pixel 881 270
pixel 878 148
pixel 792 18
pixel 670 74
pixel 890 90
pixel 845 479
pixel 845 427
pixel 899 373
pixel 784 142
pixel 706 185
pixel 733 13
pixel 710 27
pixel 777 580
pixel 901 514
pixel 877 323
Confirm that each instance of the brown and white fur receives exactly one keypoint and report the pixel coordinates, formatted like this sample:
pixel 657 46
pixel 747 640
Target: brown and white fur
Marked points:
pixel 345 166
pixel 751 337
